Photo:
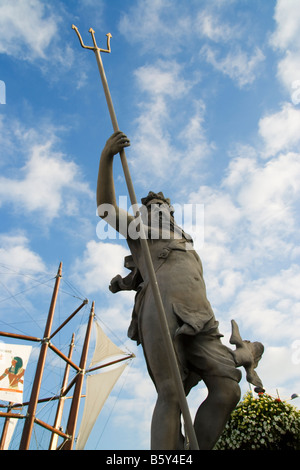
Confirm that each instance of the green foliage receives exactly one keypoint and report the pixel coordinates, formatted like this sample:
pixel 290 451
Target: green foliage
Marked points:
pixel 262 423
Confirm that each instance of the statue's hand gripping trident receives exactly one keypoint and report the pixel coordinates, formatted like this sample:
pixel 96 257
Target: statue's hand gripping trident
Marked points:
pixel 174 369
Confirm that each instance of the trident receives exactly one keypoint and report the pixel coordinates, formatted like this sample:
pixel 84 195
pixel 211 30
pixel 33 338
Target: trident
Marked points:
pixel 145 248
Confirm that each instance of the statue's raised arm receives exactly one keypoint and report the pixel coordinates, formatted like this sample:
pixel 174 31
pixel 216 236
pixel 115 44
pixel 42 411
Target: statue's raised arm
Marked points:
pixel 108 208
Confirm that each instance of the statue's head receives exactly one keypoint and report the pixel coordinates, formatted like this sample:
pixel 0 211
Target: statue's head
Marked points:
pixel 157 198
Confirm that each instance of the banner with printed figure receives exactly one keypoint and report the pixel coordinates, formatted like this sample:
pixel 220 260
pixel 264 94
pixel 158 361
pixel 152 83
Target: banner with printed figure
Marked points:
pixel 13 362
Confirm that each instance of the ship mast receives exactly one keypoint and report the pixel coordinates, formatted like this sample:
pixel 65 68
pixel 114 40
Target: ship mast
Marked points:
pixel 30 417
pixel 77 382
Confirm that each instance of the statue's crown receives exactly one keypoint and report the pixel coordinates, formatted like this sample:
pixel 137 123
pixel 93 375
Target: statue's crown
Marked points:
pixel 152 195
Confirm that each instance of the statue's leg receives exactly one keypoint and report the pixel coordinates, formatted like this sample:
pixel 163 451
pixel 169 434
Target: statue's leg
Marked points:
pixel 165 427
pixel 213 414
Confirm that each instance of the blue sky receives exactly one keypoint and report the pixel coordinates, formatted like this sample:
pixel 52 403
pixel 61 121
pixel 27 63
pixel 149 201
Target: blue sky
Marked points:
pixel 208 93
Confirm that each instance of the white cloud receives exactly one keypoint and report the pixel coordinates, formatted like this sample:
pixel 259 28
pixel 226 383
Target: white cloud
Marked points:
pixel 99 264
pixel 220 209
pixel 267 193
pixel 155 151
pixel 287 17
pixel 196 145
pixel 93 272
pixel 270 306
pixel 30 31
pixel 48 182
pixel 237 64
pixel 278 373
pixel 289 72
pixel 26 28
pixel 270 195
pixel 152 142
pixel 286 40
pixel 154 24
pixel 152 145
pixel 163 78
pixel 20 265
pixel 280 131
pixel 251 219
pixel 241 167
pixel 17 256
pixel 210 25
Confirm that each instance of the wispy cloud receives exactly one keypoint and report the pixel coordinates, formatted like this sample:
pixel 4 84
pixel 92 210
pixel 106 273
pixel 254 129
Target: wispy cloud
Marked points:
pixel 99 264
pixel 251 229
pixel 21 267
pixel 237 64
pixel 280 130
pixel 155 25
pixel 32 30
pixel 150 23
pixel 159 147
pixel 27 29
pixel 47 182
pixel 209 24
pixel 16 254
pixel 285 39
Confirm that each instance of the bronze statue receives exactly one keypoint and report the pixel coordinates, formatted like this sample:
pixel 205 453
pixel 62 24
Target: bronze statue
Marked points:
pixel 192 324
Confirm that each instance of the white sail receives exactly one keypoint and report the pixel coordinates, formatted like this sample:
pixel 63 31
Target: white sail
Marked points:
pixel 104 347
pixel 98 386
pixel 98 389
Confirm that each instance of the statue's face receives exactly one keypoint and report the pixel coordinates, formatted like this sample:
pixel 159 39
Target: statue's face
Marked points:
pixel 159 210
pixel 156 202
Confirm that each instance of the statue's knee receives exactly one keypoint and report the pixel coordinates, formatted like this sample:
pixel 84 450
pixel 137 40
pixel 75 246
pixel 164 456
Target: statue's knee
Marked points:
pixel 167 392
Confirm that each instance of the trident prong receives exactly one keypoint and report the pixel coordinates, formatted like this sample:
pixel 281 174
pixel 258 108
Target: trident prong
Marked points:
pixel 94 40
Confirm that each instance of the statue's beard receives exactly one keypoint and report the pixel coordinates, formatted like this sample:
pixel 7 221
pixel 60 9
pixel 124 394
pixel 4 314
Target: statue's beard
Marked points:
pixel 161 223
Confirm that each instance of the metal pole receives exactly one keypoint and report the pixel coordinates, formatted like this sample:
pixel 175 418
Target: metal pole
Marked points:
pixel 145 248
pixel 110 363
pixel 72 421
pixel 61 402
pixel 17 336
pixel 5 428
pixel 69 318
pixel 64 357
pixel 29 422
